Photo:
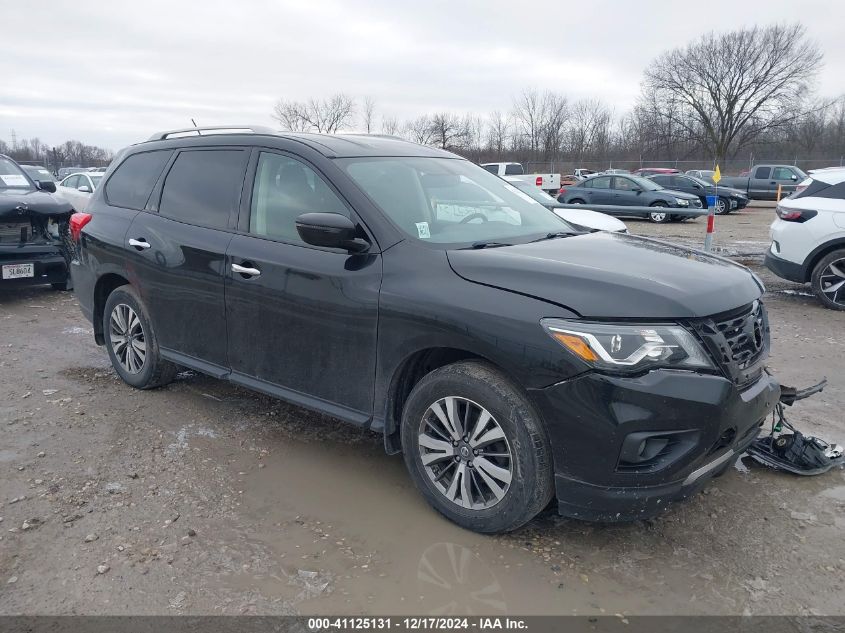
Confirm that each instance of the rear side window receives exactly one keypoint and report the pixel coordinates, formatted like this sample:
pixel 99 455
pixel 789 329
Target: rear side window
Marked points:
pixel 132 182
pixel 763 172
pixel 600 182
pixel 513 170
pixel 203 187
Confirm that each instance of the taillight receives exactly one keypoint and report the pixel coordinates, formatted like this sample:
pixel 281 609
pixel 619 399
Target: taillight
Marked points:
pixel 561 191
pixel 539 181
pixel 77 221
pixel 794 215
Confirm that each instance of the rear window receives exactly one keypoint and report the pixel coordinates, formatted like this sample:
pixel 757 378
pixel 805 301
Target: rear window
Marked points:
pixel 513 170
pixel 203 187
pixel 132 182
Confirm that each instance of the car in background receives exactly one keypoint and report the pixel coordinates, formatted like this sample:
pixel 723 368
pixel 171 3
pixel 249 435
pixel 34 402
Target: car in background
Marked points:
pixel 39 173
pixel 702 174
pixel 613 170
pixel 654 171
pixel 33 224
pixel 808 236
pixel 630 191
pixel 582 174
pixel 581 219
pixel 727 199
pixel 764 181
pixel 64 172
pixel 569 179
pixel 546 182
pixel 78 188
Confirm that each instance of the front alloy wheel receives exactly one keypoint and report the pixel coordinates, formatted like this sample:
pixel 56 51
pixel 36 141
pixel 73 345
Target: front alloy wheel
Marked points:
pixel 127 338
pixel 465 453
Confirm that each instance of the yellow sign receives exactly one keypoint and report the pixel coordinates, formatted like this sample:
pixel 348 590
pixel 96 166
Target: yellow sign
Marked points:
pixel 717 175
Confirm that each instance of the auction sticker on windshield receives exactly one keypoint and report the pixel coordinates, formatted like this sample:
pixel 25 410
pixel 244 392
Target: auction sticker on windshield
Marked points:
pixel 18 271
pixel 14 180
pixel 423 231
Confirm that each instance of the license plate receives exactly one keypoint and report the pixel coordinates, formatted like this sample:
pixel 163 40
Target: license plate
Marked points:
pixel 18 271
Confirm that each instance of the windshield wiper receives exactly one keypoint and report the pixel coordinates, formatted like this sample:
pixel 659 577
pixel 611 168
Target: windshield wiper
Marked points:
pixel 479 245
pixel 552 236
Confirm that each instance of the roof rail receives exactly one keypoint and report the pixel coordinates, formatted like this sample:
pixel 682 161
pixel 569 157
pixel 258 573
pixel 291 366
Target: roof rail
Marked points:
pixel 214 129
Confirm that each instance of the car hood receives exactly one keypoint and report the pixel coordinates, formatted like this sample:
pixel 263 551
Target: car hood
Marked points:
pixel 613 276
pixel 15 203
pixel 678 194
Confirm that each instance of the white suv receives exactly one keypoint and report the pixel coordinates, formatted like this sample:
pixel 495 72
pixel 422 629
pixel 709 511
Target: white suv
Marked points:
pixel 808 238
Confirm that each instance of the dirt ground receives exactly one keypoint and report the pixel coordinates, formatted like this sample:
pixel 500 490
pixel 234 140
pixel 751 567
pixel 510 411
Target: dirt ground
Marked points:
pixel 202 498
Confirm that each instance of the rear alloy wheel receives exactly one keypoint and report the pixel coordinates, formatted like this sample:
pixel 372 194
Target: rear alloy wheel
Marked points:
pixel 132 343
pixel 659 217
pixel 829 280
pixel 722 206
pixel 476 449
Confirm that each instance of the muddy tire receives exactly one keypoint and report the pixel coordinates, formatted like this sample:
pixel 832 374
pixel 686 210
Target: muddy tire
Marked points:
pixel 476 448
pixel 132 343
pixel 828 280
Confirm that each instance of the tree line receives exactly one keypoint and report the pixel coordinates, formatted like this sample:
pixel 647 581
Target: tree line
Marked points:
pixel 69 153
pixel 725 95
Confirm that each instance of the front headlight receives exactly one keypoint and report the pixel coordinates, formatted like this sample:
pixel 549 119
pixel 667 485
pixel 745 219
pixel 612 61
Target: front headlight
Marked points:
pixel 629 347
pixel 682 202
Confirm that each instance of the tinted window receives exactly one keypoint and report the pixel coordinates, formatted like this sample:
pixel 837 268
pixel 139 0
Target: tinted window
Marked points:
pixel 493 169
pixel 284 189
pixel 513 170
pixel 663 181
pixel 131 184
pixel 835 191
pixel 762 172
pixel 203 187
pixel 599 182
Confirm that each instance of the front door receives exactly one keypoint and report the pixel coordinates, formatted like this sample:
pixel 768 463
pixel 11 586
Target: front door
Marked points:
pixel 301 320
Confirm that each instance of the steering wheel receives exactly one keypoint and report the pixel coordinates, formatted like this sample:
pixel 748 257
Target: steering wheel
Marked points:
pixel 473 216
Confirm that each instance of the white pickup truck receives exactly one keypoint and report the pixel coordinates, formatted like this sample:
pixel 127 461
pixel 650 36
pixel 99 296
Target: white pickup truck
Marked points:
pixel 550 183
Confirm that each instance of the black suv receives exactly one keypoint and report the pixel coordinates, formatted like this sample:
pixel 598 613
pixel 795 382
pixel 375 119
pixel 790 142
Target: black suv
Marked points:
pixel 512 359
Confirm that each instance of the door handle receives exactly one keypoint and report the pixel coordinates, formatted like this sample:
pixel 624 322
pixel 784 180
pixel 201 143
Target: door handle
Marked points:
pixel 139 244
pixel 246 270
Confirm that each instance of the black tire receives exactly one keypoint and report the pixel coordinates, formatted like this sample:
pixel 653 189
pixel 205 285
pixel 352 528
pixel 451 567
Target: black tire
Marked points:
pixel 662 216
pixel 723 206
pixel 531 482
pixel 153 371
pixel 825 277
pixel 576 201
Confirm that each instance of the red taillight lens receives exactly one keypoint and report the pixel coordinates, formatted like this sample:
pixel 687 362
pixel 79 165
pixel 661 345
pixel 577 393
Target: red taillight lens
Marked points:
pixel 539 181
pixel 561 191
pixel 794 215
pixel 77 221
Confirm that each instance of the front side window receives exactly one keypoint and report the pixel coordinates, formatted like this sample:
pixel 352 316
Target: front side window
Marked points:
pixel 623 184
pixel 72 182
pixel 450 201
pixel 203 187
pixel 11 176
pixel 783 173
pixel 284 189
pixel 132 183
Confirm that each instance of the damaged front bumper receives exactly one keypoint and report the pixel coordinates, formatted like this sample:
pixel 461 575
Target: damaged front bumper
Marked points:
pixel 625 448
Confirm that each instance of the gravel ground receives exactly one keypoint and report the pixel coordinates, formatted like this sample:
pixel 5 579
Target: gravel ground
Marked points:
pixel 202 498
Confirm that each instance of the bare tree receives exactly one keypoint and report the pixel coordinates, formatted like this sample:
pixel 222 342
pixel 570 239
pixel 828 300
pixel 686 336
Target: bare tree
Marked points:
pixel 420 130
pixel 368 114
pixel 389 125
pixel 326 116
pixel 498 131
pixel 448 130
pixel 589 129
pixel 727 89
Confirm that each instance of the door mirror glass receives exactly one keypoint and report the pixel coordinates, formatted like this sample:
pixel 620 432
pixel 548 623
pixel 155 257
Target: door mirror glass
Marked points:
pixel 84 189
pixel 46 185
pixel 329 230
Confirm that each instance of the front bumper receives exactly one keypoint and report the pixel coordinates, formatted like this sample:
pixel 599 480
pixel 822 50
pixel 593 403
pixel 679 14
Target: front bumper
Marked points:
pixel 49 264
pixel 589 418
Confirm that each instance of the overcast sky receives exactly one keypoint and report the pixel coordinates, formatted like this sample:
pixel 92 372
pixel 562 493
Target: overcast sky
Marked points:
pixel 111 72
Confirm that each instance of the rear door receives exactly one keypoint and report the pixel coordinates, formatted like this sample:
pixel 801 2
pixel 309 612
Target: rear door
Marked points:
pixel 761 185
pixel 179 247
pixel 302 320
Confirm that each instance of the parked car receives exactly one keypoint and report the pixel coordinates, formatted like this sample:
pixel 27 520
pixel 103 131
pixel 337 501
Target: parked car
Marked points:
pixel 569 179
pixel 727 199
pixel 546 182
pixel 808 236
pixel 612 170
pixel 32 224
pixel 580 219
pixel 763 182
pixel 629 191
pixel 582 174
pixel 64 172
pixel 38 172
pixel 504 355
pixel 77 188
pixel 654 171
pixel 702 174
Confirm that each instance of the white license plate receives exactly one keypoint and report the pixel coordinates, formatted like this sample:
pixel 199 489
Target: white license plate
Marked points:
pixel 18 271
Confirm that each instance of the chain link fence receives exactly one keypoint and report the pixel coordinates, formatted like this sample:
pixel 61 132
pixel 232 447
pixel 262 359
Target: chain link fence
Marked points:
pixel 729 168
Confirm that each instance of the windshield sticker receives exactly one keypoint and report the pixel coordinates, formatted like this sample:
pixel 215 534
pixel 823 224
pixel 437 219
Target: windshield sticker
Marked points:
pixel 14 180
pixel 423 231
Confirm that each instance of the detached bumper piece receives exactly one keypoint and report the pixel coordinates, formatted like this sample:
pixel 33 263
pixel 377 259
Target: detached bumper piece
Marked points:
pixel 793 451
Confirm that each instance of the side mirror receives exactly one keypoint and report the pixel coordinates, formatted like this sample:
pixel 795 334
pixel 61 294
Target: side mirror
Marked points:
pixel 330 230
pixel 46 185
pixel 84 189
pixel 636 190
pixel 794 177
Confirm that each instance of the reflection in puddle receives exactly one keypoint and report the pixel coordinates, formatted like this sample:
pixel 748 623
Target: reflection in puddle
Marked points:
pixel 453 580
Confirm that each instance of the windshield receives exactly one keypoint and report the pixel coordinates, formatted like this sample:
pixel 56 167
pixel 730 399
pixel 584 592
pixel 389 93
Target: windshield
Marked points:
pixel 699 181
pixel 645 184
pixel 535 192
pixel 95 179
pixel 11 176
pixel 39 173
pixel 449 201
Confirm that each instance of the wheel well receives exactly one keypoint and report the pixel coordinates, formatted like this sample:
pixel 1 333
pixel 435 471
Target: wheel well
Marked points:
pixel 105 285
pixel 815 258
pixel 413 369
